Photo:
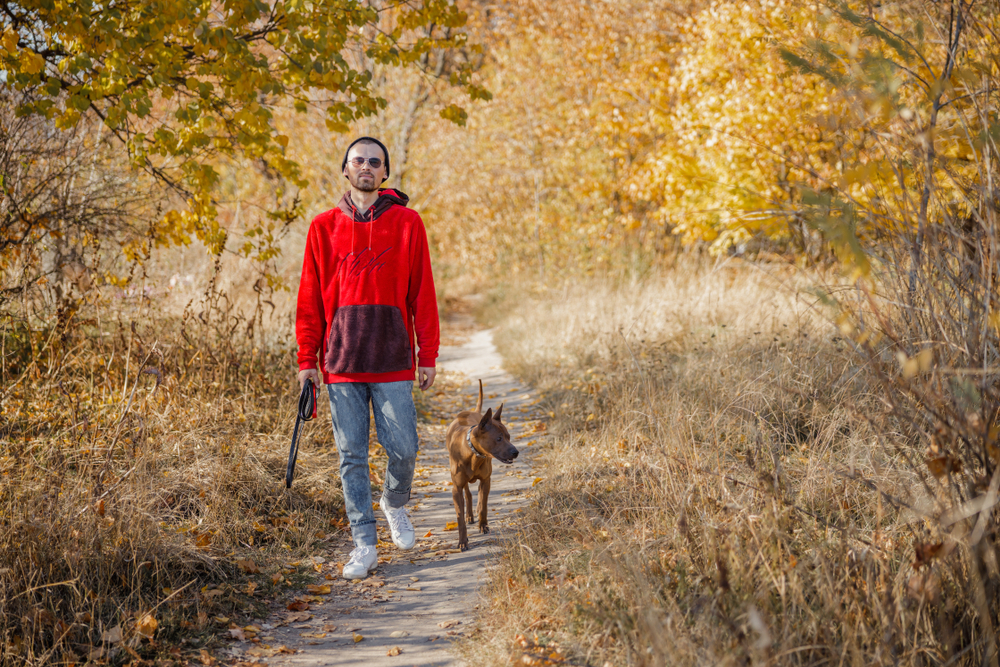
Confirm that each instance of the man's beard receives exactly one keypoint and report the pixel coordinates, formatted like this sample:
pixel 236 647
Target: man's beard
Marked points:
pixel 368 185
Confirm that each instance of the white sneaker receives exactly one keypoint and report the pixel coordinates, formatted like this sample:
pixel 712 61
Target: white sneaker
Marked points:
pixel 399 524
pixel 363 560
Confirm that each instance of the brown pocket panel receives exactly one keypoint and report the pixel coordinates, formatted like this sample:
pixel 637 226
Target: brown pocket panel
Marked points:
pixel 368 339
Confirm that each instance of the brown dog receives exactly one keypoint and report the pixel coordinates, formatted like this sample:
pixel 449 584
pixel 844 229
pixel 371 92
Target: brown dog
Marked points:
pixel 473 441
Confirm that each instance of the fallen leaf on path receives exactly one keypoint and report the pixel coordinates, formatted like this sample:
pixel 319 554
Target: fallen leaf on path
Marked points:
pixel 313 635
pixel 430 533
pixel 451 525
pixel 537 480
pixel 399 633
pixel 357 638
pixel 449 624
pixel 207 659
pixel 298 605
pixel 414 579
pixel 395 650
pixel 413 588
pixel 329 628
pixel 298 617
pixel 318 590
pixel 237 633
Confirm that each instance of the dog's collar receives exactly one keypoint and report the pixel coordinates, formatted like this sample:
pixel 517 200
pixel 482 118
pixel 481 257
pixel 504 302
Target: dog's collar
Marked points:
pixel 468 440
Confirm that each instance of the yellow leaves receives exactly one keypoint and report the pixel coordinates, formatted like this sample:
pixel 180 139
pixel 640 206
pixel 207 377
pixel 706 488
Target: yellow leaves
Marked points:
pixel 8 42
pixel 357 637
pixel 337 126
pixel 323 589
pixel 205 93
pixel 451 525
pixel 911 366
pixel 395 650
pixel 203 540
pixel 31 62
pixel 146 626
pixel 994 320
pixel 455 114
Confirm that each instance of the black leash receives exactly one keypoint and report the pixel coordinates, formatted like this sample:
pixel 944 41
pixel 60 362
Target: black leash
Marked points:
pixel 307 411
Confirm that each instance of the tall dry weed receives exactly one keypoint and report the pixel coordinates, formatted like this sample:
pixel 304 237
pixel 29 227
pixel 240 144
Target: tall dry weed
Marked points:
pixel 717 490
pixel 143 459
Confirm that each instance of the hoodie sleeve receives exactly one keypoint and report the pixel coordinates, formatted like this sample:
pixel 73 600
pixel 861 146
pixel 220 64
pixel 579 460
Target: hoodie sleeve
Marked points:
pixel 422 299
pixel 310 315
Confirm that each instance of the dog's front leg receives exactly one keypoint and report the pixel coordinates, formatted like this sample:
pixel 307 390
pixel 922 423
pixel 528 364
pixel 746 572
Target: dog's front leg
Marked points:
pixel 468 502
pixel 459 499
pixel 484 492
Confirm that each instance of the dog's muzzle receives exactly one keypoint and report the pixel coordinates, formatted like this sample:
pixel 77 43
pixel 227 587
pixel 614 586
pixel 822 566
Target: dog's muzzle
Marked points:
pixel 507 461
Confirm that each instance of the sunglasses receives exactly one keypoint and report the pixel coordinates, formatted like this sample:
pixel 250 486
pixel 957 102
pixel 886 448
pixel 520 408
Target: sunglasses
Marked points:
pixel 360 162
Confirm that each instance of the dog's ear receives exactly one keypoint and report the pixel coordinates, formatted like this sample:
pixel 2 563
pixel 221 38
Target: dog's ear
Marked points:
pixel 486 419
pixel 499 410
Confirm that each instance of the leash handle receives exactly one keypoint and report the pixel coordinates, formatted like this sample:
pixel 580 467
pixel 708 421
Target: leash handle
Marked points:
pixel 307 412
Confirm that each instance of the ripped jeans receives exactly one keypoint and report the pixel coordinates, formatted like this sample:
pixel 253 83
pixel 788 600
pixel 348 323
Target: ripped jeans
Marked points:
pixel 396 426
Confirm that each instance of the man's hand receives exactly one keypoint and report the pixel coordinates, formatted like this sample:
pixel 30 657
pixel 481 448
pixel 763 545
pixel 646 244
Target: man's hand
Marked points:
pixel 425 374
pixel 311 373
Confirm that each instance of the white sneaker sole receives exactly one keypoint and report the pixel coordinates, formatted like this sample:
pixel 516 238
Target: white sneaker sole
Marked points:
pixel 402 547
pixel 359 575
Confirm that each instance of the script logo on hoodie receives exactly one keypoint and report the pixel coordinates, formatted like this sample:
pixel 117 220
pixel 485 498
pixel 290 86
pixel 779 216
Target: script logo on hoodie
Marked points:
pixel 356 264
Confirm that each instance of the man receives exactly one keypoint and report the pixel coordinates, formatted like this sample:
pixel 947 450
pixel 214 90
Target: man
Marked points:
pixel 366 290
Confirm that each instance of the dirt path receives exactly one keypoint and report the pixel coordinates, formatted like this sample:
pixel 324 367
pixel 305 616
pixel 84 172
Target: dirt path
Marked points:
pixel 420 600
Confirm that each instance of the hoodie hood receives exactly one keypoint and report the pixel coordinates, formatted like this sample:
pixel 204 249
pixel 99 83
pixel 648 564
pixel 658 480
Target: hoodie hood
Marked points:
pixel 387 198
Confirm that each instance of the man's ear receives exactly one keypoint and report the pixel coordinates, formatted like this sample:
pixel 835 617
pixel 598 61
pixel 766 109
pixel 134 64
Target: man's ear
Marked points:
pixel 499 410
pixel 486 419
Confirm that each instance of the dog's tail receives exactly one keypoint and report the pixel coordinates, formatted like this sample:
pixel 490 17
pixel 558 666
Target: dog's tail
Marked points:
pixel 479 403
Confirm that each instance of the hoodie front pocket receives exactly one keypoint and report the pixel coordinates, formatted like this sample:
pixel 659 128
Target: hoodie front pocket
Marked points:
pixel 368 339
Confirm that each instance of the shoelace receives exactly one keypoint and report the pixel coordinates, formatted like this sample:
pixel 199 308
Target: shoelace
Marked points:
pixel 398 519
pixel 358 553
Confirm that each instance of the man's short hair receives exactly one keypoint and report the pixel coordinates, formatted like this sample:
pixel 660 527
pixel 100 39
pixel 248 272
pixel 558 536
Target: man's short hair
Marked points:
pixel 367 140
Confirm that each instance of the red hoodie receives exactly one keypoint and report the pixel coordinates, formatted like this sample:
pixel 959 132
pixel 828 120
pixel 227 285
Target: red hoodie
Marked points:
pixel 366 289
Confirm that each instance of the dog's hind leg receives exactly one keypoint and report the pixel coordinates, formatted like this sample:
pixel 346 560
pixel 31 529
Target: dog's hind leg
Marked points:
pixel 468 503
pixel 459 499
pixel 484 493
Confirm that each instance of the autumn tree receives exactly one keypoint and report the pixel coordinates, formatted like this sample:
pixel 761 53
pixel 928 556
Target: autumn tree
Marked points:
pixel 185 86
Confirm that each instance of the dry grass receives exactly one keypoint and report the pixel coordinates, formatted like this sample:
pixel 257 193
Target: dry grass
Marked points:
pixel 710 493
pixel 143 458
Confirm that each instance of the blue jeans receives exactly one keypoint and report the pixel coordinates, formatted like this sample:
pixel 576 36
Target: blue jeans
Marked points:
pixel 396 425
